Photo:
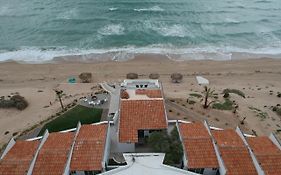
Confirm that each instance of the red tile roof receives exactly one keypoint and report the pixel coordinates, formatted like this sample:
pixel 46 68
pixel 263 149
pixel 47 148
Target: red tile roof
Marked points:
pixel 267 154
pixel 193 130
pixel 227 137
pixel 198 146
pixel 237 161
pixel 140 114
pixel 89 147
pixel 151 93
pixel 53 155
pixel 18 159
pixel 234 153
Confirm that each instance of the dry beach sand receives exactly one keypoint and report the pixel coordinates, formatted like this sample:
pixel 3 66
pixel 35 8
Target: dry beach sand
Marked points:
pixel 256 78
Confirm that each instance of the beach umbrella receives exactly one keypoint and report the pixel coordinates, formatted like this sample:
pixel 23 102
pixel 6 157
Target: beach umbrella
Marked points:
pixel 86 77
pixel 154 76
pixel 132 76
pixel 176 77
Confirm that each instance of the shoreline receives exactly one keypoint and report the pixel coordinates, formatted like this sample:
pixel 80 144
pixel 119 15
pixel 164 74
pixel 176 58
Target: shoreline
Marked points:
pixel 40 57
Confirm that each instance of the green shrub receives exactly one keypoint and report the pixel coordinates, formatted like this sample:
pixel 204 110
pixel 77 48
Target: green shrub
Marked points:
pixel 262 115
pixel 234 91
pixel 15 101
pixel 169 144
pixel 195 95
pixel 227 105
pixel 278 111
pixel 191 102
pixel 226 95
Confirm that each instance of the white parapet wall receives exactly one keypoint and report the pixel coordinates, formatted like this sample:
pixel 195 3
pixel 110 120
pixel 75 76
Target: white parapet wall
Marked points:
pixel 140 83
pixel 107 148
pixel 273 138
pixel 255 161
pixel 11 143
pixel 44 138
pixel 67 165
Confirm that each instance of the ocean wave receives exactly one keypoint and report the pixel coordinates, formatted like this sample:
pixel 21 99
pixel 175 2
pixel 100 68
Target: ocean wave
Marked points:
pixel 39 55
pixel 153 9
pixel 4 10
pixel 113 9
pixel 174 30
pixel 112 29
pixel 263 1
pixel 69 14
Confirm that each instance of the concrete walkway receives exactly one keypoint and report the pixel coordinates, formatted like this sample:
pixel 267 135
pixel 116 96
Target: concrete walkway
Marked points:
pixel 114 96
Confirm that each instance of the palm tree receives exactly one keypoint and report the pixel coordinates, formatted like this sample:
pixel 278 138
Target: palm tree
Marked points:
pixel 208 93
pixel 59 94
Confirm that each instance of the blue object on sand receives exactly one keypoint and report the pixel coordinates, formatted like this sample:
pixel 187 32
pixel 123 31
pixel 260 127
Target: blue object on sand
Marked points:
pixel 71 80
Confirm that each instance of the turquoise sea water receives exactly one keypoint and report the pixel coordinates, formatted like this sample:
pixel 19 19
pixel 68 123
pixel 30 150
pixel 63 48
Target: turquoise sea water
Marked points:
pixel 202 29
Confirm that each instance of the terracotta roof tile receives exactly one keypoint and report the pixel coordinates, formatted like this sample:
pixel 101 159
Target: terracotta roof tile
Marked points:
pixel 267 154
pixel 140 114
pixel 151 93
pixel 227 137
pixel 234 153
pixel 262 145
pixel 53 155
pixel 18 159
pixel 193 130
pixel 198 146
pixel 89 146
pixel 237 161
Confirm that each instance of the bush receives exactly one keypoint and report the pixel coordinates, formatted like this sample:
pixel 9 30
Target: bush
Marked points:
pixel 169 144
pixel 277 110
pixel 20 102
pixel 15 101
pixel 195 95
pixel 227 105
pixel 226 95
pixel 234 91
pixel 191 102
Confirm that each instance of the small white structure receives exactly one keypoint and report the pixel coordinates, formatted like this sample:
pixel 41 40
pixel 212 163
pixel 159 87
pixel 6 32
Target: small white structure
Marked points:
pixel 202 80
pixel 147 163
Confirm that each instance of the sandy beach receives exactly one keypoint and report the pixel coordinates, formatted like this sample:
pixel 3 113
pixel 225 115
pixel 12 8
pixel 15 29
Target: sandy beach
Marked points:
pixel 255 77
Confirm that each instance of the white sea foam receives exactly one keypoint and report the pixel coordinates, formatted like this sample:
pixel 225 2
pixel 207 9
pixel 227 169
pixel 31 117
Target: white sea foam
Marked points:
pixel 175 30
pixel 113 9
pixel 4 10
pixel 36 55
pixel 112 29
pixel 69 14
pixel 153 9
